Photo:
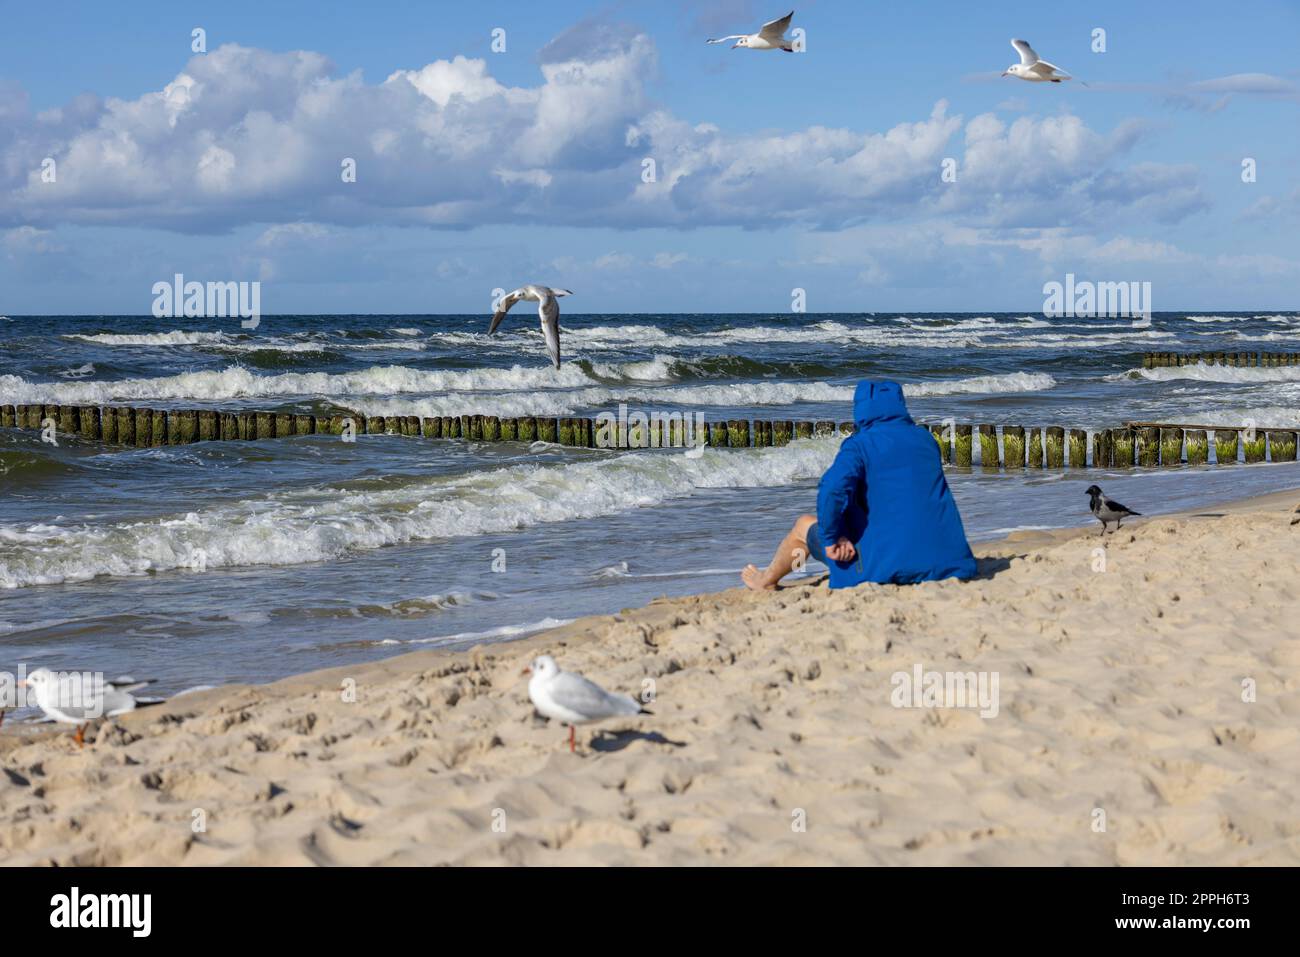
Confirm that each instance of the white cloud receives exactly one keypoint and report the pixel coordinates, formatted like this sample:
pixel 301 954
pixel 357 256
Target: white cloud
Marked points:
pixel 249 136
pixel 28 240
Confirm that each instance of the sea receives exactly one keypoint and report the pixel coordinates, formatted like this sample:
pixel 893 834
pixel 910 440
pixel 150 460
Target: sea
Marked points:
pixel 315 552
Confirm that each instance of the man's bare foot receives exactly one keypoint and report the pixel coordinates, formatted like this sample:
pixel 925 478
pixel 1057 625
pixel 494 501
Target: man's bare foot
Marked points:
pixel 756 579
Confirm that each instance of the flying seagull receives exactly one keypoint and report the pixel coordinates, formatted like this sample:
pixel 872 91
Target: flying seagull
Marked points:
pixel 548 310
pixel 570 698
pixel 770 37
pixel 72 699
pixel 1032 67
pixel 1106 510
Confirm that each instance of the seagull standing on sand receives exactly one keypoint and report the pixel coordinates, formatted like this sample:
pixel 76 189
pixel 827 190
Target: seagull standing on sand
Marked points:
pixel 1034 68
pixel 71 699
pixel 570 698
pixel 770 37
pixel 1107 510
pixel 548 310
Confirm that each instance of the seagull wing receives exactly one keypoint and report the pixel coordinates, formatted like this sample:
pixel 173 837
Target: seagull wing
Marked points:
pixel 117 702
pixel 1027 55
pixel 503 308
pixel 734 36
pixel 127 683
pixel 775 29
pixel 74 699
pixel 575 693
pixel 549 312
pixel 1044 68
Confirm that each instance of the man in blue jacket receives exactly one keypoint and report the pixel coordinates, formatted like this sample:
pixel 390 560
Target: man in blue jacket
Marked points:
pixel 884 510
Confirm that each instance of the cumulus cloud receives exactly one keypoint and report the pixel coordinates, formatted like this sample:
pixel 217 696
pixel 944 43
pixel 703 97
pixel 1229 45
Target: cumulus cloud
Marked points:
pixel 244 136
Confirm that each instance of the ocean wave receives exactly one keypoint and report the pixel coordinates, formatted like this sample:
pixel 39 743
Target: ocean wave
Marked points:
pixel 1262 416
pixel 243 343
pixel 404 608
pixel 730 394
pixel 176 337
pixel 972 334
pixel 289 359
pixel 570 402
pixel 493 634
pixel 1238 336
pixel 236 382
pixel 990 384
pixel 450 389
pixel 321 524
pixel 31 466
pixel 1215 373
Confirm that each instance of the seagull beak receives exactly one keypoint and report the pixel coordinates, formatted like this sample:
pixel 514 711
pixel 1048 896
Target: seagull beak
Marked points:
pixel 1005 73
pixel 527 671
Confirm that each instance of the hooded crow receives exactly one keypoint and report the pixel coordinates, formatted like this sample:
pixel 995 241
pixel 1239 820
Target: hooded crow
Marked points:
pixel 1107 510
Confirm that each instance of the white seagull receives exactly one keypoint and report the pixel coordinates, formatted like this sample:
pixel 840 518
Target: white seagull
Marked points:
pixel 71 699
pixel 571 699
pixel 548 310
pixel 1034 68
pixel 770 37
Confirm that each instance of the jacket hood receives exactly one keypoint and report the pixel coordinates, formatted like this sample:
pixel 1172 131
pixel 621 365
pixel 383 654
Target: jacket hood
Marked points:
pixel 878 402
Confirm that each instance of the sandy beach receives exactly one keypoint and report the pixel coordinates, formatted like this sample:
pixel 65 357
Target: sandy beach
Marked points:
pixel 1146 714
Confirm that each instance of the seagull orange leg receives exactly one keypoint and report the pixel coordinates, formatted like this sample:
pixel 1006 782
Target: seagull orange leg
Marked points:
pixel 80 736
pixel 572 746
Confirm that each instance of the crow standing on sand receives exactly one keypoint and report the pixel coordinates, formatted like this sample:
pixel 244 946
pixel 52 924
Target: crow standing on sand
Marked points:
pixel 1107 510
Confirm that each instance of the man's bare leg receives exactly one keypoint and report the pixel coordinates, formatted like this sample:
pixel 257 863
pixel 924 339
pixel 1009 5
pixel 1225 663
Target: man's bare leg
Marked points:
pixel 792 550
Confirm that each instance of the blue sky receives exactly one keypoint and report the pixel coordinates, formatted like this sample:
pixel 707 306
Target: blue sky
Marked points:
pixel 478 169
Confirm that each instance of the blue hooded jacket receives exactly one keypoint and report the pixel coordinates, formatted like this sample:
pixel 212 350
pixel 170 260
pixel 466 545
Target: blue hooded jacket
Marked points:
pixel 886 493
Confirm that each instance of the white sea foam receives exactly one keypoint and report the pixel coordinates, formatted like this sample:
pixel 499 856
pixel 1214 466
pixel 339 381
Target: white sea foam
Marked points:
pixel 554 402
pixel 504 631
pixel 244 343
pixel 1213 373
pixel 237 382
pixel 176 337
pixel 979 333
pixel 296 526
pixel 515 391
pixel 659 369
pixel 1262 416
pixel 365 345
pixel 1265 337
pixel 983 384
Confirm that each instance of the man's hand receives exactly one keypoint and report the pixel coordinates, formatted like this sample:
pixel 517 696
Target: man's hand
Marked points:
pixel 842 551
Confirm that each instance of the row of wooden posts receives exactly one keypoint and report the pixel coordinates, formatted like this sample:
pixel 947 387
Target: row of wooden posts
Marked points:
pixel 145 428
pixel 1146 445
pixel 1156 360
pixel 1014 447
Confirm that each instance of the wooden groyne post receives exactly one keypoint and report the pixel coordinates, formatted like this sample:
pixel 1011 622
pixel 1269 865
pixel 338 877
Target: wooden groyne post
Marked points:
pixel 1253 360
pixel 1145 444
